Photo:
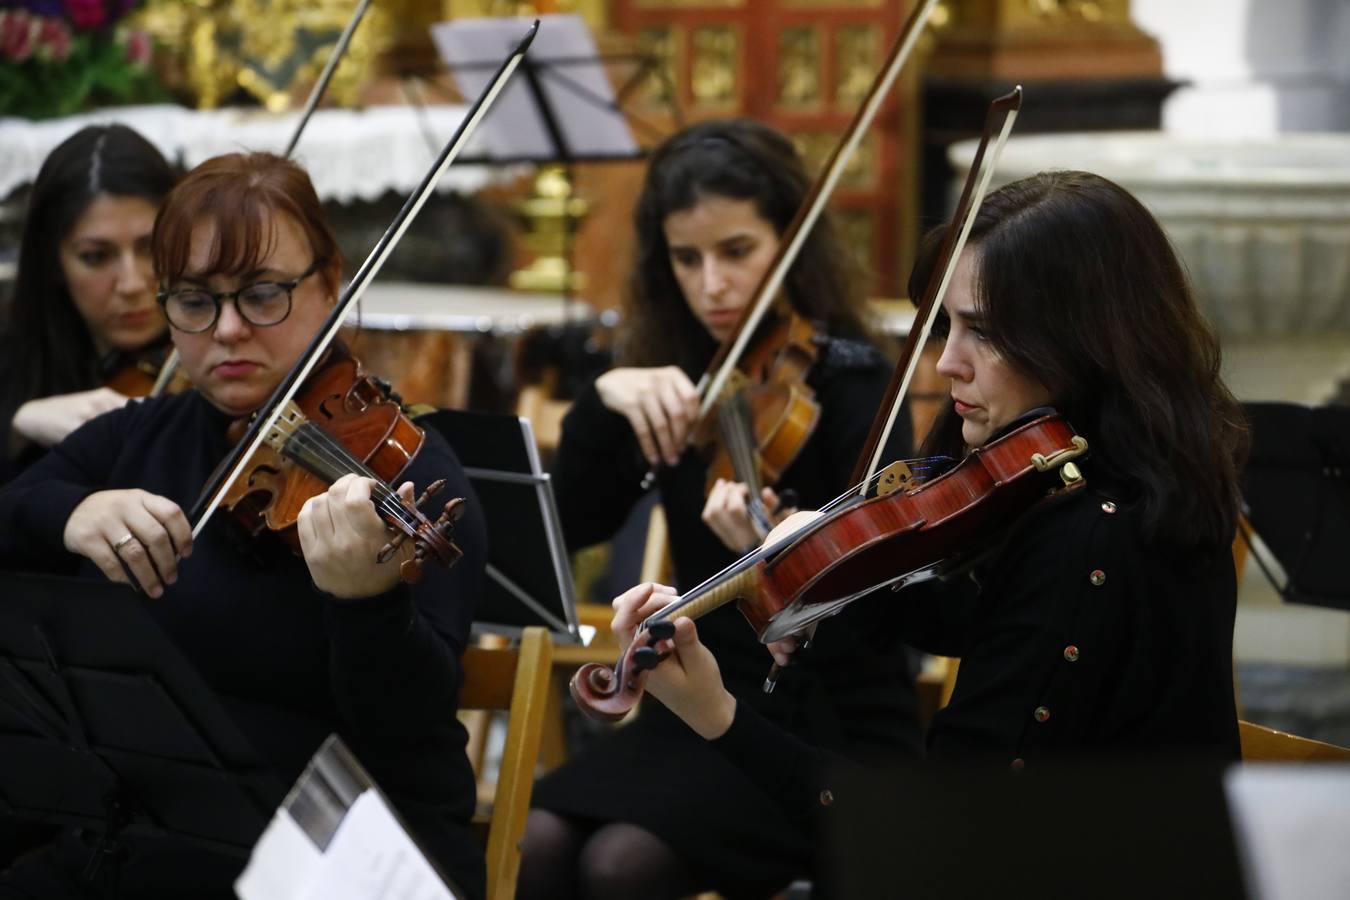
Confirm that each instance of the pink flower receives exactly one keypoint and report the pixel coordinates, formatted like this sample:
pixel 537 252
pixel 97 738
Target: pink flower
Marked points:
pixel 86 15
pixel 53 40
pixel 18 35
pixel 137 44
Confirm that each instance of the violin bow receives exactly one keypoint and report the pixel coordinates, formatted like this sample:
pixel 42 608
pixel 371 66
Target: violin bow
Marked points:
pixel 794 236
pixel 166 371
pixel 972 195
pixel 237 461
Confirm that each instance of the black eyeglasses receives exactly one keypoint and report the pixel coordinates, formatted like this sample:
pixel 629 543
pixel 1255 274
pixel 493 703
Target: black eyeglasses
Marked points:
pixel 262 303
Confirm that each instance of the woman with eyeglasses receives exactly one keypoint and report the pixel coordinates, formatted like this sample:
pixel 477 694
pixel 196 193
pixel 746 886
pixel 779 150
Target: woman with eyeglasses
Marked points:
pixel 83 303
pixel 295 647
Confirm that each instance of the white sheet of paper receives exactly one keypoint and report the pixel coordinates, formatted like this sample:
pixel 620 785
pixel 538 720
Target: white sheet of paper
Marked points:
pixel 514 128
pixel 1292 824
pixel 284 863
pixel 370 857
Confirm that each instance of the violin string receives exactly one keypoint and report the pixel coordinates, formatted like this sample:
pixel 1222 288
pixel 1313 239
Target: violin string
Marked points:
pixel 734 419
pixel 323 452
pixel 332 466
pixel 341 462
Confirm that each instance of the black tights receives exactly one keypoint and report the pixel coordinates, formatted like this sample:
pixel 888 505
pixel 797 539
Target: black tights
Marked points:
pixel 568 860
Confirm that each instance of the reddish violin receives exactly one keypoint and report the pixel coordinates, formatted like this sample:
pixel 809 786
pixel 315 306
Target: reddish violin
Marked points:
pixel 342 422
pixel 899 536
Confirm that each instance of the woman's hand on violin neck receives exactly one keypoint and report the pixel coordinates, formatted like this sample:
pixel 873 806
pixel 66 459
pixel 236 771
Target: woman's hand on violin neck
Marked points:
pixel 728 515
pixel 133 536
pixel 689 682
pixel 341 535
pixel 47 421
pixel 660 404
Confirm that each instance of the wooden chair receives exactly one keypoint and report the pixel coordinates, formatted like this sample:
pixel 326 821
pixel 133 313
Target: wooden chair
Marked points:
pixel 514 679
pixel 1262 744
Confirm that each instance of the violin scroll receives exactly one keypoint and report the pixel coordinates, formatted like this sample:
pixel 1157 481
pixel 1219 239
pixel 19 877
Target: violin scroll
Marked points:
pixel 428 537
pixel 608 694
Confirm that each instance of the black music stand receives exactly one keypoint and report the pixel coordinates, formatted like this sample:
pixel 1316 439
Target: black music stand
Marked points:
pixel 1296 493
pixel 529 578
pixel 560 108
pixel 104 725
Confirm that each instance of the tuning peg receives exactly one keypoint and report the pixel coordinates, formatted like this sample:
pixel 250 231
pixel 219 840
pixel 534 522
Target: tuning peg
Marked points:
pixel 432 490
pixel 645 658
pixel 388 551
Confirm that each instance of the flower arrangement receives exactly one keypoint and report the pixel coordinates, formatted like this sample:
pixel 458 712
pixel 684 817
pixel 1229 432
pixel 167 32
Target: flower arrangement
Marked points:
pixel 60 56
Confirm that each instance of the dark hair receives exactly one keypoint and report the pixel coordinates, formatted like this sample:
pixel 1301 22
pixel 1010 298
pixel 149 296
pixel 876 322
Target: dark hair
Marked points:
pixel 744 160
pixel 241 194
pixel 47 345
pixel 1078 287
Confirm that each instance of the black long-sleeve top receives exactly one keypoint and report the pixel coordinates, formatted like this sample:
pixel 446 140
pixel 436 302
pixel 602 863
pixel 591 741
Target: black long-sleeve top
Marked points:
pixel 1077 637
pixel 288 663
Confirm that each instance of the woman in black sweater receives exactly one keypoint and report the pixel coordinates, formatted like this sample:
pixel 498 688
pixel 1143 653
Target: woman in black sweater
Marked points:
pixel 1103 623
pixel 295 647
pixel 716 199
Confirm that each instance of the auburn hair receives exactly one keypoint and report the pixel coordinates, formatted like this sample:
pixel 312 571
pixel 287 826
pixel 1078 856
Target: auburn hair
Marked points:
pixel 241 194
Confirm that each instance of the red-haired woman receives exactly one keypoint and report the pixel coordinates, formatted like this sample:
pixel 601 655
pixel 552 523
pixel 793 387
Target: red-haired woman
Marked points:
pixel 295 647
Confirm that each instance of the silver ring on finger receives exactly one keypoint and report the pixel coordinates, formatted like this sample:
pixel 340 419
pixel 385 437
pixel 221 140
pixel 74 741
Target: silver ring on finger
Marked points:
pixel 122 542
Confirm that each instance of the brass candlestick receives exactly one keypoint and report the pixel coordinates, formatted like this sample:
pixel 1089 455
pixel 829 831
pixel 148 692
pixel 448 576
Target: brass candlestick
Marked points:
pixel 551 216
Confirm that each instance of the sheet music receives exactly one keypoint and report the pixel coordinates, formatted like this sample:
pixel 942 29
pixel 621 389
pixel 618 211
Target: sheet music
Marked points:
pixel 578 93
pixel 335 838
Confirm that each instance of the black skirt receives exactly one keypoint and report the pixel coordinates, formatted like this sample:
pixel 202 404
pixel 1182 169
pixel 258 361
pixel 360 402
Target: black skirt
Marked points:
pixel 658 774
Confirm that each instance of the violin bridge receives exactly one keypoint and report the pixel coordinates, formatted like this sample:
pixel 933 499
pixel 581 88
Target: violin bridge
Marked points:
pixel 895 477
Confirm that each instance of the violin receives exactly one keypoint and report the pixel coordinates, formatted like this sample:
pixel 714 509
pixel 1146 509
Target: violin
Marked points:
pixel 901 534
pixel 148 373
pixel 343 421
pixel 766 413
pixel 891 528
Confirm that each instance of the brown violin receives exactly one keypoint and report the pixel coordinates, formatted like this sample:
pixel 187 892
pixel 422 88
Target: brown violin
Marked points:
pixel 766 414
pixel 341 422
pixel 143 373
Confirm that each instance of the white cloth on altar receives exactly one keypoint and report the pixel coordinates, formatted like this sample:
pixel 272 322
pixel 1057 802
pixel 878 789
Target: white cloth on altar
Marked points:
pixel 349 154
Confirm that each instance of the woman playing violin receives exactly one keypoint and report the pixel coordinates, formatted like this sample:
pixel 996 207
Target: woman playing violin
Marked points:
pixel 1103 622
pixel 296 647
pixel 716 199
pixel 84 304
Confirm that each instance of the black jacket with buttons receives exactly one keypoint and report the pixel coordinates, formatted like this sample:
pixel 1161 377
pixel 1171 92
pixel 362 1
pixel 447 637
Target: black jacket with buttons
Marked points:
pixel 1076 638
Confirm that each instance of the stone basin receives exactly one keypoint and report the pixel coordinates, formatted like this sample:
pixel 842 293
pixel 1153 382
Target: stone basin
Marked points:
pixel 1262 225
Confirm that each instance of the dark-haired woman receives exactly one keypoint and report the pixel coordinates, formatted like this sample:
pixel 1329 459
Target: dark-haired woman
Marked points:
pixel 1103 624
pixel 648 811
pixel 294 647
pixel 84 301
